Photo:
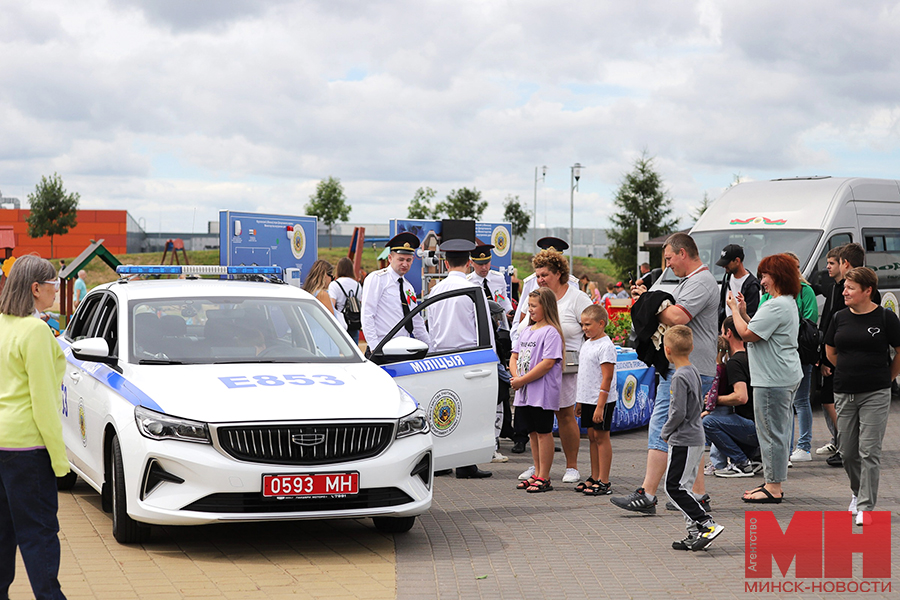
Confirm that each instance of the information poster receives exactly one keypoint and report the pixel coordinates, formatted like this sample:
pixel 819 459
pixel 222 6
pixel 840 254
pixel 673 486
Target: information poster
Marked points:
pixel 268 240
pixel 429 234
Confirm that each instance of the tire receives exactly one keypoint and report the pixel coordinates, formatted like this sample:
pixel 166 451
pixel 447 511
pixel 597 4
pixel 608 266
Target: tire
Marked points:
pixel 394 524
pixel 125 529
pixel 66 482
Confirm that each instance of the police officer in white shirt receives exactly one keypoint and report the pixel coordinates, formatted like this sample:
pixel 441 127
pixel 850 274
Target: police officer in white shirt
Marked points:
pixel 388 296
pixel 530 282
pixel 492 282
pixel 454 326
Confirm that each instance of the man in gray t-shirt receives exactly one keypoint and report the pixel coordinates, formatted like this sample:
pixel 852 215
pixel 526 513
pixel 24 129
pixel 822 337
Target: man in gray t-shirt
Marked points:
pixel 696 305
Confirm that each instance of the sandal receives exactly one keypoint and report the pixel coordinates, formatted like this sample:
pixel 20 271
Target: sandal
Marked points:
pixel 599 489
pixel 767 499
pixel 539 485
pixel 527 483
pixel 589 482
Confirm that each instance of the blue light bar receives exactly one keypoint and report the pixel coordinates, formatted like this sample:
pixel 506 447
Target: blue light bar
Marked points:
pixel 197 270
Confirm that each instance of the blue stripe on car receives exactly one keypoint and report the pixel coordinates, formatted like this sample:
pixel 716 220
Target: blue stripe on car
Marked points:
pixel 441 363
pixel 111 379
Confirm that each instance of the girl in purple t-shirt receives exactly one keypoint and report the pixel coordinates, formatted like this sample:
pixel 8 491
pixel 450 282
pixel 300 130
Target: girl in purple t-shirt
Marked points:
pixel 536 369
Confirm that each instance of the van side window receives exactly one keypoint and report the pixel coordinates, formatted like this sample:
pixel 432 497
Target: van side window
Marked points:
pixel 883 255
pixel 819 277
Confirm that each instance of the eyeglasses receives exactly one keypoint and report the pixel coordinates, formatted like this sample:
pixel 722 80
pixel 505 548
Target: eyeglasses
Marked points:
pixel 54 283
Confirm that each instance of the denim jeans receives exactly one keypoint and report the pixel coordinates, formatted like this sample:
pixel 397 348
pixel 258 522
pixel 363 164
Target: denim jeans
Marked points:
pixel 804 411
pixel 28 507
pixel 733 435
pixel 773 416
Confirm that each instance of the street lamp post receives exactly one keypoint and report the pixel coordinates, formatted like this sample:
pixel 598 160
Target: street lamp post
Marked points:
pixel 576 175
pixel 534 214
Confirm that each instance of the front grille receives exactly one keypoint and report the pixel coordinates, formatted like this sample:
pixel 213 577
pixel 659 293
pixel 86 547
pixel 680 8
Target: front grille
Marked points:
pixel 305 444
pixel 244 502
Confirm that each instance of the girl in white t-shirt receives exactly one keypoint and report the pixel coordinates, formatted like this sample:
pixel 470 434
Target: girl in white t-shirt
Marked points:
pixel 596 395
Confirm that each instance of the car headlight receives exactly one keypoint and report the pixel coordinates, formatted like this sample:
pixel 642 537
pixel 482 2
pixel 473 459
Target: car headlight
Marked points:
pixel 158 426
pixel 412 424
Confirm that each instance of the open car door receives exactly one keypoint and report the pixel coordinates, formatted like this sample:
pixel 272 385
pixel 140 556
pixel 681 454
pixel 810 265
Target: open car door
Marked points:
pixel 457 389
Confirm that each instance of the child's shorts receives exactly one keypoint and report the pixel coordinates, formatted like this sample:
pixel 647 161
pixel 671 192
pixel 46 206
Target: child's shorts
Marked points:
pixel 537 420
pixel 587 416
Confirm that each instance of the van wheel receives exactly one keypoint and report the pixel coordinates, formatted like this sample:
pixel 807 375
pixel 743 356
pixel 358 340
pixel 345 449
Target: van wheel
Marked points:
pixel 394 524
pixel 66 482
pixel 125 529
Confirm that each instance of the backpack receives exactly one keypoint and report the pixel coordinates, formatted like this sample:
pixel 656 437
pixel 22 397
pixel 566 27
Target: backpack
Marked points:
pixel 809 339
pixel 351 311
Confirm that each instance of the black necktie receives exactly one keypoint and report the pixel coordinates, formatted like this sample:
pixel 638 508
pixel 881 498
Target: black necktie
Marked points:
pixel 487 290
pixel 409 325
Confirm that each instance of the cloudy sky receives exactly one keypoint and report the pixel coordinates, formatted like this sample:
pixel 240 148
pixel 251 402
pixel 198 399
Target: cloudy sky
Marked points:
pixel 174 109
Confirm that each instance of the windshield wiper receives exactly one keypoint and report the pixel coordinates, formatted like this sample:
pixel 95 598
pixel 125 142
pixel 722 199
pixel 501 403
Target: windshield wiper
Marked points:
pixel 159 361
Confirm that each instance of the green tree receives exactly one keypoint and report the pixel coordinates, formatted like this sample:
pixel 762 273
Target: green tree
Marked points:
pixel 640 196
pixel 461 204
pixel 420 205
pixel 517 216
pixel 52 211
pixel 329 204
pixel 704 204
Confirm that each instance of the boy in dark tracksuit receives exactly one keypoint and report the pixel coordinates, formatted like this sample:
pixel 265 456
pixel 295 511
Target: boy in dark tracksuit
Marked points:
pixel 683 431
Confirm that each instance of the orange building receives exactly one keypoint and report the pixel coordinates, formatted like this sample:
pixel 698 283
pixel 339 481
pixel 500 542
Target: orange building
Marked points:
pixel 108 225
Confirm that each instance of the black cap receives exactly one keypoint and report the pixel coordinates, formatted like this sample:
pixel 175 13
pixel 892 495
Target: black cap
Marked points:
pixel 482 252
pixel 729 253
pixel 552 243
pixel 457 246
pixel 403 243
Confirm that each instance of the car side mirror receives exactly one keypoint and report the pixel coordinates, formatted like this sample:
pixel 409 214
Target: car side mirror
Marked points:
pixel 399 349
pixel 93 350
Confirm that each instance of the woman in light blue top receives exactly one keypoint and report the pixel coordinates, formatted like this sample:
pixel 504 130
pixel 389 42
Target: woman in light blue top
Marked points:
pixel 774 368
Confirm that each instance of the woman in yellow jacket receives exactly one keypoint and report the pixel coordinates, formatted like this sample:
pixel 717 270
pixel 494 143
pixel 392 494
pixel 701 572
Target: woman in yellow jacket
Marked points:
pixel 32 453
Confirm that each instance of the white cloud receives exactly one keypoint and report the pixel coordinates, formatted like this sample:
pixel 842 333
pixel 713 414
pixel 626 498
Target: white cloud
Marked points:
pixel 161 106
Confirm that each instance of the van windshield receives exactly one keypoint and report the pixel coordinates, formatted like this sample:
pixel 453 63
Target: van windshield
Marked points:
pixel 757 243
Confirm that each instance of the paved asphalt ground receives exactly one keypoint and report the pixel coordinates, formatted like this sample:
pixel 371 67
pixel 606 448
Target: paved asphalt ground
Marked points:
pixel 481 539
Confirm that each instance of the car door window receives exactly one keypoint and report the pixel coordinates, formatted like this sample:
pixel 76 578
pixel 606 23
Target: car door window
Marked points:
pixel 883 255
pixel 81 323
pixel 106 325
pixel 819 277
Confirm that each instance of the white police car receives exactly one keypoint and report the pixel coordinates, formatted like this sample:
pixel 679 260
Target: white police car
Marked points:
pixel 190 401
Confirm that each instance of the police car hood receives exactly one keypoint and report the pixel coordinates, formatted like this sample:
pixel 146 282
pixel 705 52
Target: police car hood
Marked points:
pixel 270 392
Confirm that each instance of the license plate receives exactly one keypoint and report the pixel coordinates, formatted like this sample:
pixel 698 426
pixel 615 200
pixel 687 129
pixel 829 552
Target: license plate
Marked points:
pixel 320 484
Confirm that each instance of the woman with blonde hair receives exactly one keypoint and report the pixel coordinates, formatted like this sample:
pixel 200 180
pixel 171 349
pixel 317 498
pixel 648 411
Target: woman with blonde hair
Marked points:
pixel 32 452
pixel 317 282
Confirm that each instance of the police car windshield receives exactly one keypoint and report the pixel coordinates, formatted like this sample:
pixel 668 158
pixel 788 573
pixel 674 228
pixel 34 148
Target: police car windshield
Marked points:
pixel 234 330
pixel 757 244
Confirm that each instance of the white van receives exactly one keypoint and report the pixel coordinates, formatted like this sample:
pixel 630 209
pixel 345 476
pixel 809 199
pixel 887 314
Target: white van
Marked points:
pixel 807 216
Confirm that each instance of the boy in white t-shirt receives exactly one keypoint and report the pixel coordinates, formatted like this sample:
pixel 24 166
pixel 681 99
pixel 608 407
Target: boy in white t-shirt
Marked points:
pixel 596 397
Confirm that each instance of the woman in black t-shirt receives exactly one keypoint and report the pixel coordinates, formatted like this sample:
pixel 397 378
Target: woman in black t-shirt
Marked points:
pixel 857 343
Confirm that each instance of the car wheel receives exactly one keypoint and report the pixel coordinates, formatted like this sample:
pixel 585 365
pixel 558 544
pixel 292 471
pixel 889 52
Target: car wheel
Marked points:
pixel 394 524
pixel 125 529
pixel 66 482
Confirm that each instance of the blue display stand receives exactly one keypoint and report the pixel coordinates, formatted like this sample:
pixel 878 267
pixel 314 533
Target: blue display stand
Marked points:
pixel 636 386
pixel 261 239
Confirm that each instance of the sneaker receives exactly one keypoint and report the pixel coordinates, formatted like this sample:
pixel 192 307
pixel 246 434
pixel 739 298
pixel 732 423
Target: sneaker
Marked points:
pixel 636 501
pixel 799 455
pixel 571 476
pixel 757 467
pixel 499 458
pixel 704 503
pixel 861 519
pixel 828 449
pixel 684 544
pixel 708 533
pixel 852 507
pixel 790 464
pixel 733 470
pixel 709 469
pixel 529 472
pixel 835 460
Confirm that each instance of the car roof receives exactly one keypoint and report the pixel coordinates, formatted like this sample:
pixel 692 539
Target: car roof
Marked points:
pixel 186 288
